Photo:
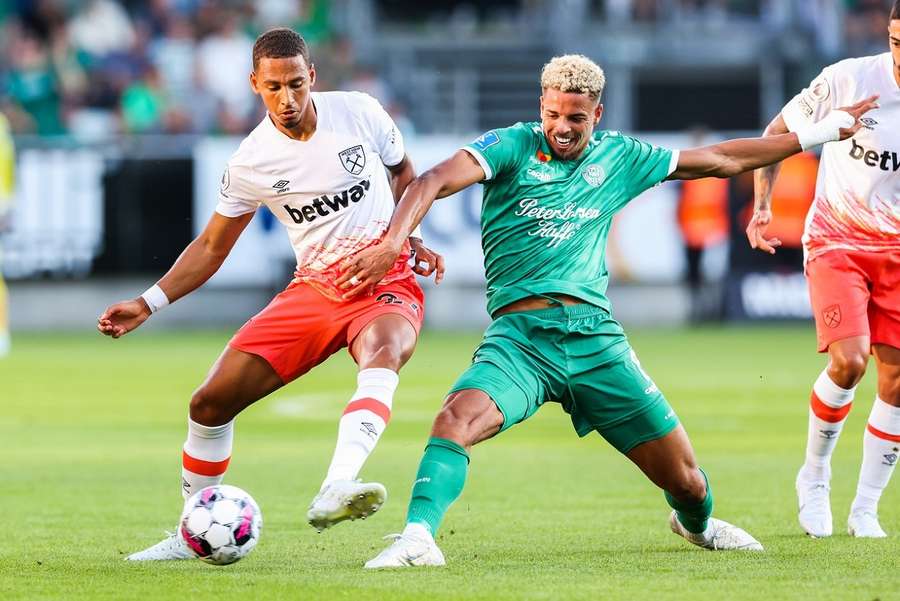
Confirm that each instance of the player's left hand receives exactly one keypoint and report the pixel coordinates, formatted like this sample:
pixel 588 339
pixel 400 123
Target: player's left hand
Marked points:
pixel 366 268
pixel 756 232
pixel 426 261
pixel 856 111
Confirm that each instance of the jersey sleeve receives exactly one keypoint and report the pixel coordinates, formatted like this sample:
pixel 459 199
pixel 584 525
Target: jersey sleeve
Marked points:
pixel 812 103
pixel 500 150
pixel 645 165
pixel 236 193
pixel 385 137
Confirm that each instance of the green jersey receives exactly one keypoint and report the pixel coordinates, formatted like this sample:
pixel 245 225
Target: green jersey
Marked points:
pixel 544 221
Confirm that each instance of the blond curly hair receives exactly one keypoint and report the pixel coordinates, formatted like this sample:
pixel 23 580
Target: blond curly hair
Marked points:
pixel 574 73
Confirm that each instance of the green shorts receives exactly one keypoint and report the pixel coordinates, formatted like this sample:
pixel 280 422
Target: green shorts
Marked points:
pixel 575 355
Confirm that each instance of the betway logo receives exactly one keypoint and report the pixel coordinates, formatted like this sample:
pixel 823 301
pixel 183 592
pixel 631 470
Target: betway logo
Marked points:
pixel 886 161
pixel 326 205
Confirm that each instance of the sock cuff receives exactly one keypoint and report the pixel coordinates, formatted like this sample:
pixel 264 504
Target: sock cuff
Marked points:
pixel 448 444
pixel 210 432
pixel 885 420
pixel 378 376
pixel 831 394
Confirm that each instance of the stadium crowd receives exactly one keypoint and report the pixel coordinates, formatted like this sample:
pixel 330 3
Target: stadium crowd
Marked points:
pixel 164 66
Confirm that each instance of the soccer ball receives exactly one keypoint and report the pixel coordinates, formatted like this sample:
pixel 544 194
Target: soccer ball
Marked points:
pixel 221 524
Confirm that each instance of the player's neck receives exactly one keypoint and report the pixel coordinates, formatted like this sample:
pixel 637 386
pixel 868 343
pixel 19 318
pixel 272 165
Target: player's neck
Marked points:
pixel 305 129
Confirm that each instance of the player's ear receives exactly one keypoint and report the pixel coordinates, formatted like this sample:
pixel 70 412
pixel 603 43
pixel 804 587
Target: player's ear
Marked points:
pixel 598 112
pixel 253 82
pixel 312 75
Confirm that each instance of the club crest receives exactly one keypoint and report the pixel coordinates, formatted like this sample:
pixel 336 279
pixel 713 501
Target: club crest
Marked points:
pixel 593 175
pixel 832 316
pixel 353 159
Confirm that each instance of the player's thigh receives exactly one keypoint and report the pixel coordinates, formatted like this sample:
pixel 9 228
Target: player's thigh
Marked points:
pixel 385 326
pixel 619 400
pixel 235 381
pixel 839 295
pixel 468 417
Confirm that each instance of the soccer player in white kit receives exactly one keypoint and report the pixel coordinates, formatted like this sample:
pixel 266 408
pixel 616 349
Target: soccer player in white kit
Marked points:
pixel 852 255
pixel 320 163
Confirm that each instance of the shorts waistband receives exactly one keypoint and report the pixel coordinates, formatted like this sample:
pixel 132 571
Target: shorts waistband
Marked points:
pixel 562 312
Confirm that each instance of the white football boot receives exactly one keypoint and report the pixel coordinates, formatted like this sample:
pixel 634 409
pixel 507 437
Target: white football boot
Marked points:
pixel 415 547
pixel 345 500
pixel 813 497
pixel 719 536
pixel 170 548
pixel 864 524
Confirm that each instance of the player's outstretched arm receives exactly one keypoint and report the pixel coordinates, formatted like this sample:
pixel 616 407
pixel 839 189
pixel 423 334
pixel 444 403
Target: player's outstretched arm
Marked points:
pixel 371 264
pixel 199 261
pixel 763 184
pixel 426 261
pixel 731 157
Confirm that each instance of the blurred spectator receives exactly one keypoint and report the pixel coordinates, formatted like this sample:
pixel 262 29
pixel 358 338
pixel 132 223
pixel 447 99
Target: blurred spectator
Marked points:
pixel 703 221
pixel 225 63
pixel 174 56
pixel 101 28
pixel 143 104
pixel 32 88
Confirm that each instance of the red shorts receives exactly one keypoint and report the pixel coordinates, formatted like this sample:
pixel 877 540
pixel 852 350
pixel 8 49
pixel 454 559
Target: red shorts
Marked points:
pixel 855 293
pixel 301 328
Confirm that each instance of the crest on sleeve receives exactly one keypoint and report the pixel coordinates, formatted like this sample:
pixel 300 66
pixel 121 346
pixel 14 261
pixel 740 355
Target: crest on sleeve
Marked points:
pixel 353 159
pixel 819 91
pixel 486 140
pixel 226 181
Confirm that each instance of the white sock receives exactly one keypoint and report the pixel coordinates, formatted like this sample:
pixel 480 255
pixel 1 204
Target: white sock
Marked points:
pixel 417 530
pixel 364 419
pixel 828 408
pixel 881 446
pixel 205 456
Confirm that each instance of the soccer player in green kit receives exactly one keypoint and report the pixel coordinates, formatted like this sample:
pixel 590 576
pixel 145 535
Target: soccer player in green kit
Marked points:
pixel 550 192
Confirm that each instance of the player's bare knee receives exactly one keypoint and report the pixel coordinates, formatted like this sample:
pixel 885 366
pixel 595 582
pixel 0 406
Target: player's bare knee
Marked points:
pixel 688 487
pixel 207 409
pixel 388 355
pixel 847 368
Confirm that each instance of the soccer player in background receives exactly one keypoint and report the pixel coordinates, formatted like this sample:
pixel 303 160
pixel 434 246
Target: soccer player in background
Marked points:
pixel 551 189
pixel 320 163
pixel 852 263
pixel 7 186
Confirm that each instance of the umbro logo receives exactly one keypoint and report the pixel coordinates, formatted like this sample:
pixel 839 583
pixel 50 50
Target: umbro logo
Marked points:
pixel 868 122
pixel 369 429
pixel 281 185
pixel 829 434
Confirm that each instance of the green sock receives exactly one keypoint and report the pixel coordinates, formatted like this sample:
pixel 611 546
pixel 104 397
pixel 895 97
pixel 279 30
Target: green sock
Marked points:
pixel 440 480
pixel 693 517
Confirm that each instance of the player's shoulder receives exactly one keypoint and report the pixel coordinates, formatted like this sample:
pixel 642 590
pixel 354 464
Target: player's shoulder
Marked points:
pixel 518 134
pixel 857 66
pixel 611 138
pixel 349 102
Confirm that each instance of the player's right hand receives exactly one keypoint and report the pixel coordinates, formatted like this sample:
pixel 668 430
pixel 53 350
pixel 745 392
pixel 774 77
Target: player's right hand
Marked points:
pixel 756 232
pixel 121 318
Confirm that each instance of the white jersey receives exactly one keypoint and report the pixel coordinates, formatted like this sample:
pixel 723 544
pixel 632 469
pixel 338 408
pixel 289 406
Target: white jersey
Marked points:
pixel 857 203
pixel 331 192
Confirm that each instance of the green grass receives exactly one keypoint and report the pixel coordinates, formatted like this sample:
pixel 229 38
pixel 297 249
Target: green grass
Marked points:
pixel 91 431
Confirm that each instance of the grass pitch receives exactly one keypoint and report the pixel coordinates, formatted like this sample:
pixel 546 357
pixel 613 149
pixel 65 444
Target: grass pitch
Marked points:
pixel 91 432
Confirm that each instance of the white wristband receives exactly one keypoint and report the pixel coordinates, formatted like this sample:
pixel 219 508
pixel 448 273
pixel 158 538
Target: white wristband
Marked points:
pixel 155 298
pixel 826 130
pixel 417 233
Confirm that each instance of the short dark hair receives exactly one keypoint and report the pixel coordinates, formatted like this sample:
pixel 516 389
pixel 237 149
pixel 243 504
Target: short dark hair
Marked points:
pixel 895 12
pixel 280 42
